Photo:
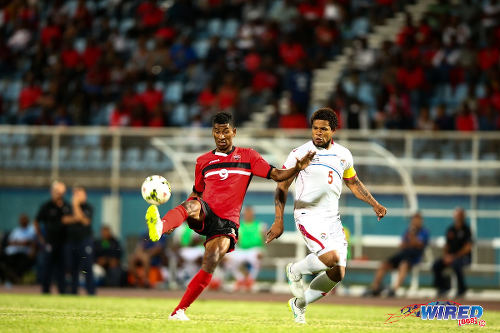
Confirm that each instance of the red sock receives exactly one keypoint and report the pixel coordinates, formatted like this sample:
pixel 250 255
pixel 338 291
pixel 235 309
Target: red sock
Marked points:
pixel 199 282
pixel 174 218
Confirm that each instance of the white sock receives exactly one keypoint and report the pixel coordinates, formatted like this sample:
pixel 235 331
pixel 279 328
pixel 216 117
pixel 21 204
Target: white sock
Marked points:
pixel 320 286
pixel 309 265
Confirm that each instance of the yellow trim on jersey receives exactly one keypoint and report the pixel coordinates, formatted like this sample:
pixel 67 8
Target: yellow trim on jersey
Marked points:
pixel 349 173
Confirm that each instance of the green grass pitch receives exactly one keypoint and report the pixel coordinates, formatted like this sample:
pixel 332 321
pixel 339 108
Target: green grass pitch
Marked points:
pixel 37 313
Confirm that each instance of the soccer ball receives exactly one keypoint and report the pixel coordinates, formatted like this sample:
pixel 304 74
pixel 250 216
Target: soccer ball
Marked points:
pixel 156 190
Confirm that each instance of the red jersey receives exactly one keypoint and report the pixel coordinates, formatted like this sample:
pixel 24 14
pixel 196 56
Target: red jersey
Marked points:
pixel 224 178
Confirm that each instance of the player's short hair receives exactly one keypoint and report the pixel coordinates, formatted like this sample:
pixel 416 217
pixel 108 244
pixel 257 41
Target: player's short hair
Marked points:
pixel 222 118
pixel 326 114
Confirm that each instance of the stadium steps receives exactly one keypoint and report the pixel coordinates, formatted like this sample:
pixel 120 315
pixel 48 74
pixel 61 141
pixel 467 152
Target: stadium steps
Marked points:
pixel 325 79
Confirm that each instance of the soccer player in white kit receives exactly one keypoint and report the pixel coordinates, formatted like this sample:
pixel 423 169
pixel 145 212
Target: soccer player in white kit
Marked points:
pixel 316 214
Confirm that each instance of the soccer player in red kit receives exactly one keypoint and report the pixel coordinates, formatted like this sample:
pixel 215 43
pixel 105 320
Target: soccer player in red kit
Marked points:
pixel 213 209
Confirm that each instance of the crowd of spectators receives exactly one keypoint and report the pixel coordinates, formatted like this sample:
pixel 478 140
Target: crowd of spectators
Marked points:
pixel 440 73
pixel 152 63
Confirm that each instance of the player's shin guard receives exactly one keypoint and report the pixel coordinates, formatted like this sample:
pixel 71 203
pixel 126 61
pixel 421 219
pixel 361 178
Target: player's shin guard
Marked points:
pixel 309 265
pixel 320 286
pixel 199 282
pixel 174 218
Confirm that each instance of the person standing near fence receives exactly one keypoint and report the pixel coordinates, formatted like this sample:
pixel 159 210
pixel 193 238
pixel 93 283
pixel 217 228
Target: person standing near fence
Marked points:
pixel 51 236
pixel 318 189
pixel 79 247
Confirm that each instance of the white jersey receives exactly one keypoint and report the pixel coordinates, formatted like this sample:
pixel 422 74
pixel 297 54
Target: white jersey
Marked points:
pixel 318 187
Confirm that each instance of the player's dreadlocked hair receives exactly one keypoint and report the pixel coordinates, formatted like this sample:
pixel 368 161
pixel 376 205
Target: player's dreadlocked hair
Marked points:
pixel 223 118
pixel 326 114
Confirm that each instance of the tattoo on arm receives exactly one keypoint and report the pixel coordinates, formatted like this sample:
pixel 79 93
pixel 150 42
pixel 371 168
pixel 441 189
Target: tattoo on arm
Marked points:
pixel 360 191
pixel 279 202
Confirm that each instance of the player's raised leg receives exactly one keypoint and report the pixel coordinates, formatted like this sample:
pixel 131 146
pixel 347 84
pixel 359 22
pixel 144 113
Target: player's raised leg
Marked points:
pixel 175 217
pixel 294 271
pixel 215 249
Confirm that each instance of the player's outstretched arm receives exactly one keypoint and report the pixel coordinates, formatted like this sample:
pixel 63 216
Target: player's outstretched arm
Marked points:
pixel 280 175
pixel 361 192
pixel 280 196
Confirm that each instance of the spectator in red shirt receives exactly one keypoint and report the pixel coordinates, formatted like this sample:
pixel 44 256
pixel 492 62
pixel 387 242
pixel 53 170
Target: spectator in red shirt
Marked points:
pixel 264 79
pixel 291 51
pixel 495 98
pixel 157 119
pixel 150 14
pixel 151 98
pixel 166 33
pixel 96 78
pixel 120 116
pixel 130 99
pixel 228 94
pixel 312 10
pixel 294 119
pixel 51 33
pixel 28 14
pixel 407 31
pixel 488 56
pixel 70 57
pixel 411 76
pixel 208 97
pixel 29 94
pixel 91 54
pixel 466 121
pixel 423 32
pixel 252 60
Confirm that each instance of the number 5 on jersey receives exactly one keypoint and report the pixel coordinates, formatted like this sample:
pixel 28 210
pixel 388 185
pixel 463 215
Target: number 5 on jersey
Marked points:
pixel 330 177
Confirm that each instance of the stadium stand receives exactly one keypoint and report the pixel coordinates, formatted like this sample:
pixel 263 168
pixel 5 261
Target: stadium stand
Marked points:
pixel 438 73
pixel 149 63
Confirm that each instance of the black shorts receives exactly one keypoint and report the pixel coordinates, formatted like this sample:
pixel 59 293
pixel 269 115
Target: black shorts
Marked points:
pixel 213 226
pixel 412 256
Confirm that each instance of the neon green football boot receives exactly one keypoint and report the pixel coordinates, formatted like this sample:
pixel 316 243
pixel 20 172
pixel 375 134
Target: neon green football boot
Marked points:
pixel 155 225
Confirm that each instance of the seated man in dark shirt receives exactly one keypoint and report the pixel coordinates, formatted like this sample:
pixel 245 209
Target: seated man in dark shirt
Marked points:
pixel 108 253
pixel 456 254
pixel 414 241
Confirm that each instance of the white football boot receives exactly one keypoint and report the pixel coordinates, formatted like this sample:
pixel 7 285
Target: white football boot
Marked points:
pixel 179 315
pixel 299 314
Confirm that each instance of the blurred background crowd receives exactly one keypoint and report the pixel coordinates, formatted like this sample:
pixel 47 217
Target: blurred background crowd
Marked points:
pixel 175 63
pixel 58 247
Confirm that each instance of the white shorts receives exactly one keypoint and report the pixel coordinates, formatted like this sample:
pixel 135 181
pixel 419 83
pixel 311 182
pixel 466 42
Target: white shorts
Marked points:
pixel 323 235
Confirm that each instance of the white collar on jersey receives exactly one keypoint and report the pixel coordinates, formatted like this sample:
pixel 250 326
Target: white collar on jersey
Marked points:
pixel 218 153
